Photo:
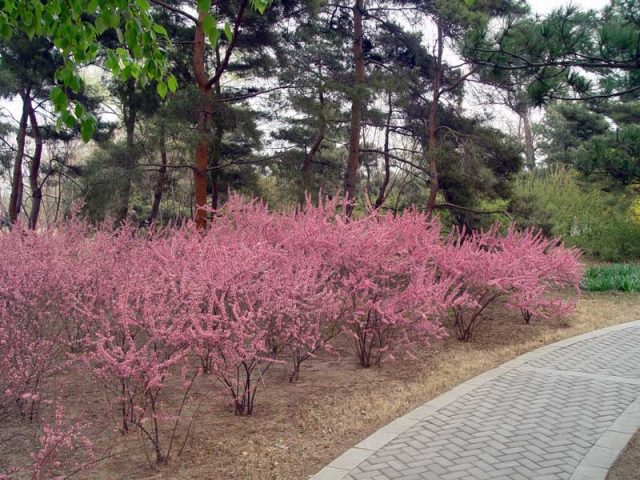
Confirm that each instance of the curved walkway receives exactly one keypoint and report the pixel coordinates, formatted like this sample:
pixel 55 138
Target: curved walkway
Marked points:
pixel 564 411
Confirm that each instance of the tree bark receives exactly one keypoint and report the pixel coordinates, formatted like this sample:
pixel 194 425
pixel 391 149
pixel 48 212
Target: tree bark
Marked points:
pixel 130 111
pixel 357 102
pixel 162 176
pixel 15 200
pixel 205 111
pixel 34 172
pixel 432 126
pixel 382 193
pixel 202 156
pixel 313 150
pixel 216 152
pixel 529 147
pixel 205 108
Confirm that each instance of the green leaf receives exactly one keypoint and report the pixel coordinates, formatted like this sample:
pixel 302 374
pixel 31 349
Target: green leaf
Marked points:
pixel 58 98
pixel 172 83
pixel 88 127
pixel 209 25
pixel 260 5
pixel 227 31
pixel 79 110
pixel 162 89
pixel 30 30
pixel 68 119
pixel 75 83
pixel 101 24
pixel 135 70
pixel 214 37
pixel 469 3
pixel 160 29
pixel 112 18
pixel 203 5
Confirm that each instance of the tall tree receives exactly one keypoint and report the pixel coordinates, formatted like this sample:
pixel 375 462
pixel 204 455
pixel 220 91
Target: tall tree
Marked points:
pixel 357 104
pixel 30 67
pixel 311 111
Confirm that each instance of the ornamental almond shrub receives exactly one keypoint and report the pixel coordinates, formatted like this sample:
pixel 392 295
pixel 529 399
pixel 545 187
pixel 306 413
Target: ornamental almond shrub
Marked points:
pixel 151 312
pixel 35 303
pixel 391 293
pixel 521 268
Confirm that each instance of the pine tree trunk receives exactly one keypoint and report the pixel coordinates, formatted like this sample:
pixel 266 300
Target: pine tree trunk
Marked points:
pixel 529 147
pixel 308 160
pixel 34 172
pixel 205 112
pixel 382 193
pixel 313 149
pixel 205 107
pixel 162 176
pixel 15 200
pixel 130 115
pixel 215 165
pixel 432 127
pixel 357 102
pixel 216 153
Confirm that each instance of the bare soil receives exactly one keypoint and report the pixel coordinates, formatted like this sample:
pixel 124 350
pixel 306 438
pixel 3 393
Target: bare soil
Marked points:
pixel 298 428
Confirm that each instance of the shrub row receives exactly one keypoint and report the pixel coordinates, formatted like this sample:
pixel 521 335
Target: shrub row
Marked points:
pixel 134 307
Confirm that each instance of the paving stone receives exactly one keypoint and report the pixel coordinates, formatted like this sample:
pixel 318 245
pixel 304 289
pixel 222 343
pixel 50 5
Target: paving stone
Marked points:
pixel 559 415
pixel 613 354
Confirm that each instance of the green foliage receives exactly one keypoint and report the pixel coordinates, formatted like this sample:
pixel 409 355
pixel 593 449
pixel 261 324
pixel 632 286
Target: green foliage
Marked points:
pixel 624 277
pixel 73 27
pixel 600 223
pixel 613 154
pixel 565 128
pixel 104 177
pixel 586 137
pixel 569 53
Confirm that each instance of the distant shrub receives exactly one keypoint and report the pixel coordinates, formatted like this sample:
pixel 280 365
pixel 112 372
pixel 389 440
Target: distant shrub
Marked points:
pixel 600 223
pixel 623 277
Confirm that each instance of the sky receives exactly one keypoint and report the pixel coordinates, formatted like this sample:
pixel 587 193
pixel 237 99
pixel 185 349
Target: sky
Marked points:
pixel 545 6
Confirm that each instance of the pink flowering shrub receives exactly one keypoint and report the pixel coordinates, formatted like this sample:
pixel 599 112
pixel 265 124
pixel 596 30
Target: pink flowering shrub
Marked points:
pixel 61 446
pixel 35 301
pixel 148 313
pixel 387 282
pixel 522 268
pixel 275 297
pixel 59 437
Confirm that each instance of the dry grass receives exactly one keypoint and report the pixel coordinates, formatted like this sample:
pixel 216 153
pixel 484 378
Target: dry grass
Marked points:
pixel 299 428
pixel 627 467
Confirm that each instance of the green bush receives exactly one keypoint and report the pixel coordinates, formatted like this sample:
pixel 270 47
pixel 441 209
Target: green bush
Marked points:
pixel 617 276
pixel 598 222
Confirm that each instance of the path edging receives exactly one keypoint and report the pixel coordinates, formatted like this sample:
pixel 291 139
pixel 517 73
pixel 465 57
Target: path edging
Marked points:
pixel 600 458
pixel 597 461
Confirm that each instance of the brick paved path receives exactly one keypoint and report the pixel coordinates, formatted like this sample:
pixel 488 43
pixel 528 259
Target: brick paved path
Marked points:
pixel 565 411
